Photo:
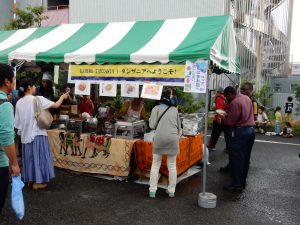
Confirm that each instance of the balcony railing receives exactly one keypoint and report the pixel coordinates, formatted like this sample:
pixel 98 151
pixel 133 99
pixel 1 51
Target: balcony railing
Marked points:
pixel 56 15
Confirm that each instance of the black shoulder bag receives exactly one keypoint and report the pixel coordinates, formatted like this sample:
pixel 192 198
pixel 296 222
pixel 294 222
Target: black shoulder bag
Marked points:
pixel 161 117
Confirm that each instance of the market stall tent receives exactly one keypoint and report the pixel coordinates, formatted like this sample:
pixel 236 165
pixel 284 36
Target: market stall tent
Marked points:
pixel 160 41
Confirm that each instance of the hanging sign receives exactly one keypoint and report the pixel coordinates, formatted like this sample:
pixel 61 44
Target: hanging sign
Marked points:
pixel 196 76
pixel 82 88
pixel 108 89
pixel 152 91
pixel 130 72
pixel 130 89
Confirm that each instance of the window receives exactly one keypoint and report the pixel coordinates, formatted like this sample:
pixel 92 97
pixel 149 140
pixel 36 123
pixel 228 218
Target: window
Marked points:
pixel 277 87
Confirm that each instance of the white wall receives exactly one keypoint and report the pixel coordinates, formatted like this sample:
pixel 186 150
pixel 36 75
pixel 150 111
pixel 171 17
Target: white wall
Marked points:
pixel 6 12
pixel 131 10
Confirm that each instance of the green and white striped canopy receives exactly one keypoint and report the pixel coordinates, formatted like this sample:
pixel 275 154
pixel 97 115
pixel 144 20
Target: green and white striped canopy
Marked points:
pixel 160 41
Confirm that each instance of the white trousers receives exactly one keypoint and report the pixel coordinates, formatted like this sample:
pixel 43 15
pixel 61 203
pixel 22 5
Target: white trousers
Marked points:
pixel 171 163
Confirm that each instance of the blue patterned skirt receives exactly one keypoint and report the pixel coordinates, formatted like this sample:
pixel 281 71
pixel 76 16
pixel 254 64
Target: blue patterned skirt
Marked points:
pixel 37 161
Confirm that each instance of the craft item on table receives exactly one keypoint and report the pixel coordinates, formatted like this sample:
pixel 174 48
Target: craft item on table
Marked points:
pixel 108 89
pixel 152 91
pixel 130 89
pixel 82 88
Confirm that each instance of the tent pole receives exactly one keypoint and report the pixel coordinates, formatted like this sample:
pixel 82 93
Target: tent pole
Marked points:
pixel 205 156
pixel 205 199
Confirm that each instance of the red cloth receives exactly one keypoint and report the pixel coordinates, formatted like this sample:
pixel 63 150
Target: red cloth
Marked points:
pixel 220 104
pixel 240 112
pixel 86 106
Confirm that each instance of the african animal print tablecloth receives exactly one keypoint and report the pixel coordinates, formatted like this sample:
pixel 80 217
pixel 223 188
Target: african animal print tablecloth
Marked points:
pixel 91 153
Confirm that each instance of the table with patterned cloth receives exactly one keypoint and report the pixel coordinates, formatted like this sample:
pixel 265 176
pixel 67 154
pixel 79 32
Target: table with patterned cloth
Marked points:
pixel 91 154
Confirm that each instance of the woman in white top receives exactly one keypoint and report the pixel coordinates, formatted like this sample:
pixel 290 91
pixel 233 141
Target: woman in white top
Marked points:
pixel 37 160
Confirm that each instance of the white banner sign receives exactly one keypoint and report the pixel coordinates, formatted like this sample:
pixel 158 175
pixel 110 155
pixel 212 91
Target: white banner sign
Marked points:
pixel 195 76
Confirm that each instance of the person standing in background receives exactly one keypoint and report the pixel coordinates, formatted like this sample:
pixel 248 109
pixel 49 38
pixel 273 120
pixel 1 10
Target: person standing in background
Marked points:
pixel 8 157
pixel 46 88
pixel 278 120
pixel 247 89
pixel 288 109
pixel 218 125
pixel 86 105
pixel 240 118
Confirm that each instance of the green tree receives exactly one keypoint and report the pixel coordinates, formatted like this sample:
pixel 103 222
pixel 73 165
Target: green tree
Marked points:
pixel 265 94
pixel 187 102
pixel 28 18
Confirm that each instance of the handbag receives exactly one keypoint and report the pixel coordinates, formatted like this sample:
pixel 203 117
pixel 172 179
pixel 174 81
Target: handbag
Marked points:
pixel 43 116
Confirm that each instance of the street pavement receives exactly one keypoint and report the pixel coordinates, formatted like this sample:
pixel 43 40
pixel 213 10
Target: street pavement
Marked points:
pixel 272 195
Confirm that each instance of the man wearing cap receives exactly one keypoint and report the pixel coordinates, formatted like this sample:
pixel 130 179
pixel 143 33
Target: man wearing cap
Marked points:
pixel 46 88
pixel 218 125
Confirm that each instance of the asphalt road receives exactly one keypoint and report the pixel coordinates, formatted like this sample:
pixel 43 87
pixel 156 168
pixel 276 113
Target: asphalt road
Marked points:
pixel 271 197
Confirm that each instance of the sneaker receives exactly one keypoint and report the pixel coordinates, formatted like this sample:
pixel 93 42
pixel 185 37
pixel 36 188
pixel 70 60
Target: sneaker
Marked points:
pixel 36 186
pixel 171 195
pixel 151 194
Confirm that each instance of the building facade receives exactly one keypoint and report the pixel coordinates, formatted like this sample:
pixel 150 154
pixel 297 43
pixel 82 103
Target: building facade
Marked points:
pixel 6 12
pixel 263 27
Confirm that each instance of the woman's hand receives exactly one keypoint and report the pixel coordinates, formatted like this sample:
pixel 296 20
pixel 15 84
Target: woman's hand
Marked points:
pixel 65 95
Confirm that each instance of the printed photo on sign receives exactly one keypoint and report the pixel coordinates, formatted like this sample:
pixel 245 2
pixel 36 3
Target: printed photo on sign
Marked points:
pixel 130 89
pixel 82 88
pixel 108 89
pixel 152 91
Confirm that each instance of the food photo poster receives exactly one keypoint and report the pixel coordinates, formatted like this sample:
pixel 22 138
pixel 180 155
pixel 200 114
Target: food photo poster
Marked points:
pixel 152 91
pixel 108 89
pixel 82 88
pixel 130 89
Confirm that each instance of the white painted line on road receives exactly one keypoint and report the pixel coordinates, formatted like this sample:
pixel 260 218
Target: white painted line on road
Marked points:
pixel 276 142
pixel 272 142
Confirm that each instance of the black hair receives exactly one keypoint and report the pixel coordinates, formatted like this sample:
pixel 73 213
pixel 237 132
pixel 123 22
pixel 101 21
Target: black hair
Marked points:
pixel 249 85
pixel 290 98
pixel 262 108
pixel 6 72
pixel 229 90
pixel 288 124
pixel 166 97
pixel 278 108
pixel 24 85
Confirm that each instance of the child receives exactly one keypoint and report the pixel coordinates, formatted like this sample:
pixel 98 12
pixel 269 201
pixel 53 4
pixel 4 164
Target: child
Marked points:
pixel 262 120
pixel 287 130
pixel 278 120
pixel 288 109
